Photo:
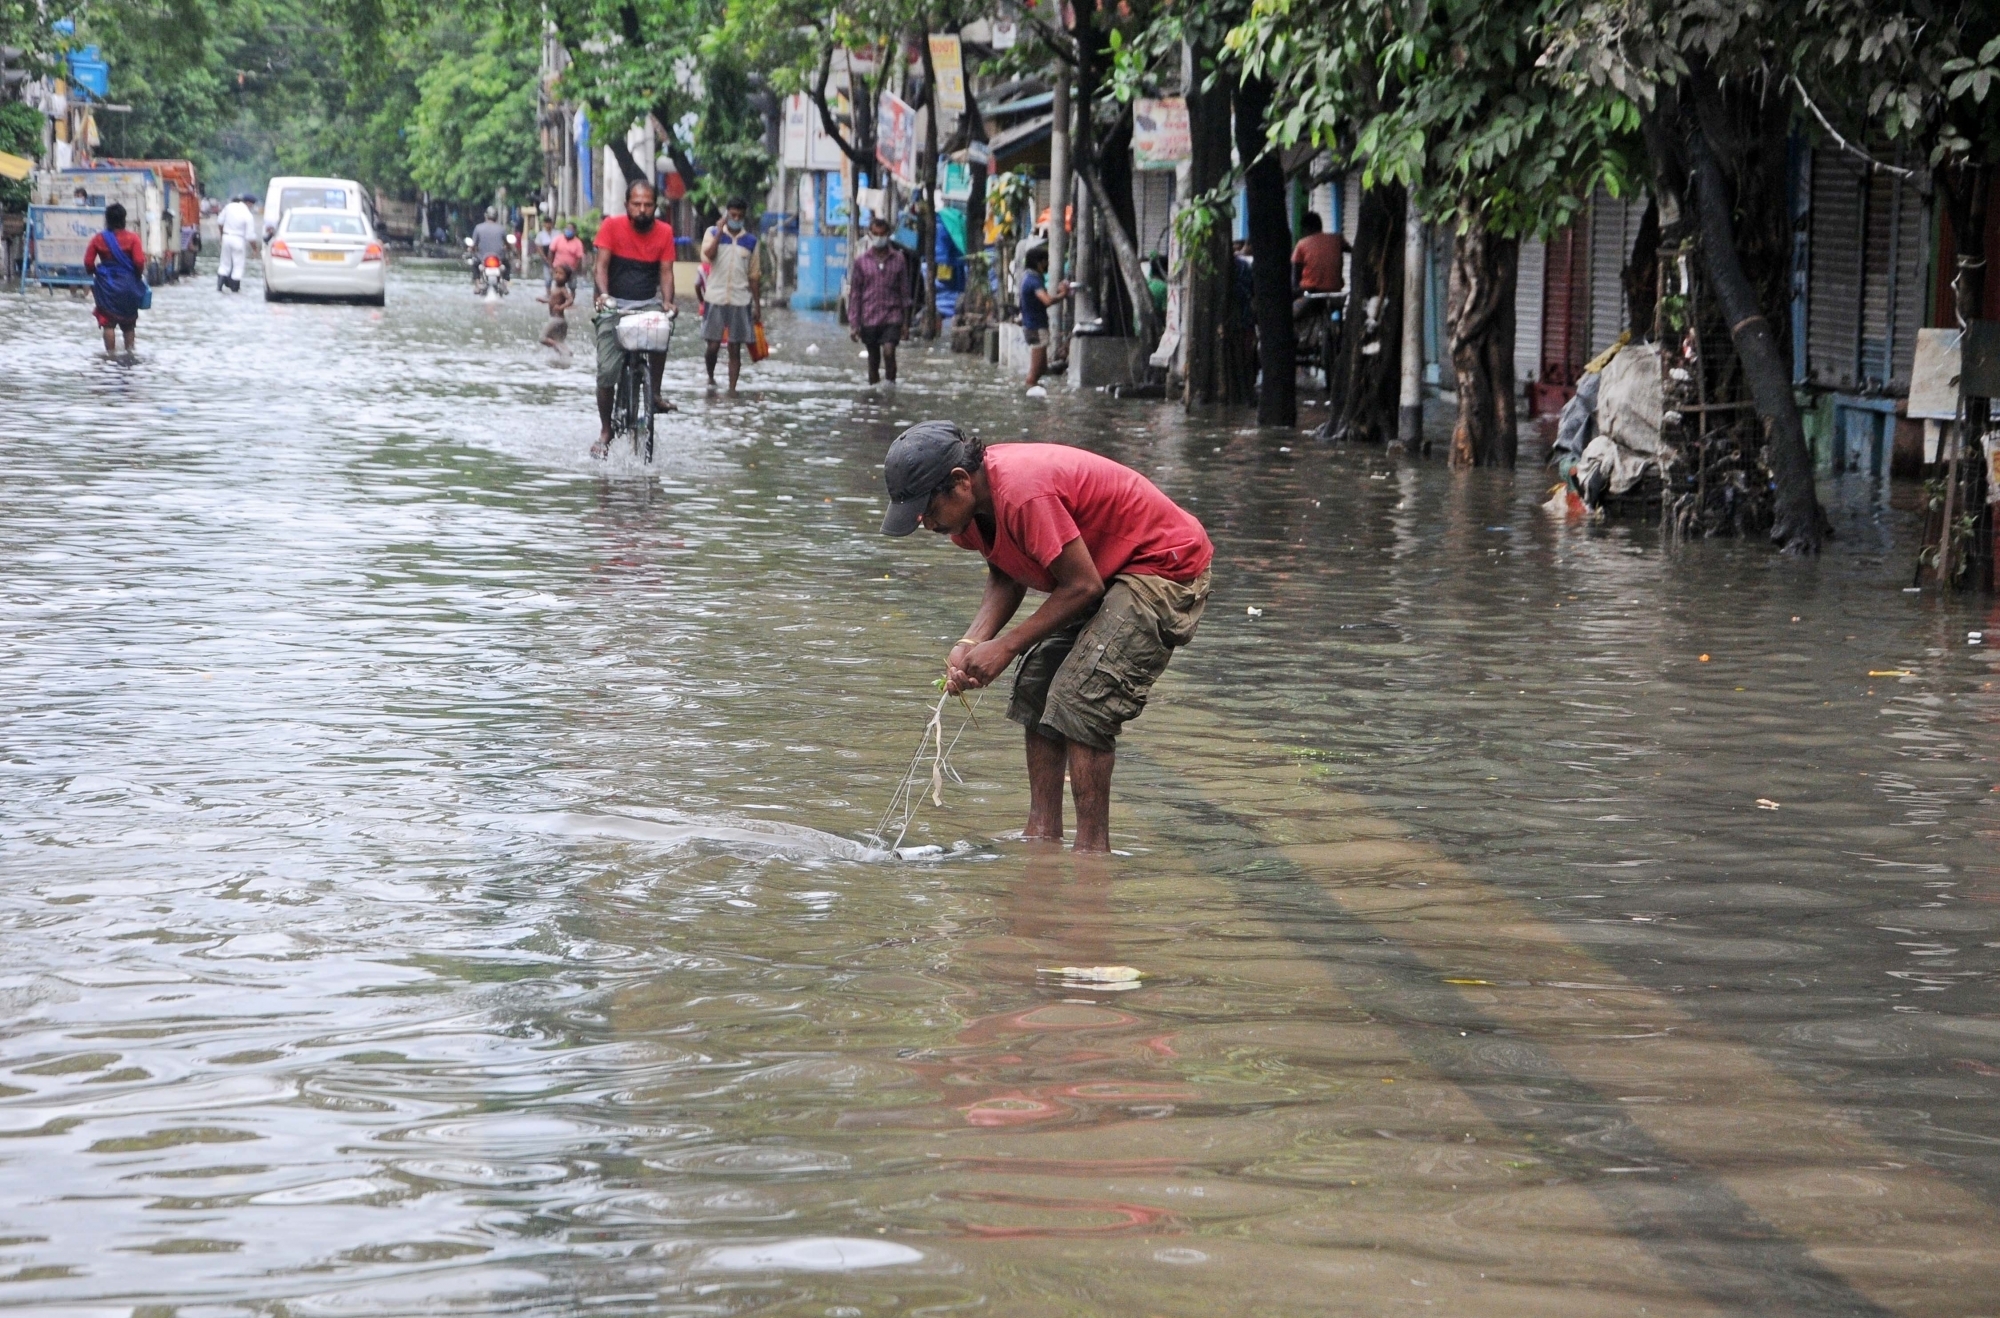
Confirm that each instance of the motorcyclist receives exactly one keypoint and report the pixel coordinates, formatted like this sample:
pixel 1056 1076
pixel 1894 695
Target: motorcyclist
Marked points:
pixel 490 239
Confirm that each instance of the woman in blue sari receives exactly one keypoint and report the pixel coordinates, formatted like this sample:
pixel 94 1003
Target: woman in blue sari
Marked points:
pixel 115 260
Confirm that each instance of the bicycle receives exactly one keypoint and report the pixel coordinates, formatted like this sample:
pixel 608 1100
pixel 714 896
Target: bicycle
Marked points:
pixel 1322 318
pixel 633 404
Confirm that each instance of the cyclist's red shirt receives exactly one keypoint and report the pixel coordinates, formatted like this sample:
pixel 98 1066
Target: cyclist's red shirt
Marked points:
pixel 635 257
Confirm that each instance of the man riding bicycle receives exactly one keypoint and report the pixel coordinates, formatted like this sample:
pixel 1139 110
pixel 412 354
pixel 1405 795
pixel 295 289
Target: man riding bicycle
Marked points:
pixel 634 271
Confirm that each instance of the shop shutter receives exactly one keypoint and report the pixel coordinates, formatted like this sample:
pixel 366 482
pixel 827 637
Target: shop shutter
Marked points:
pixel 1614 224
pixel 1893 298
pixel 1528 310
pixel 1153 208
pixel 1834 278
pixel 1564 305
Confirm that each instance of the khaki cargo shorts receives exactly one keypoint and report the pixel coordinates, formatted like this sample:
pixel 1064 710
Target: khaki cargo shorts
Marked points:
pixel 1089 680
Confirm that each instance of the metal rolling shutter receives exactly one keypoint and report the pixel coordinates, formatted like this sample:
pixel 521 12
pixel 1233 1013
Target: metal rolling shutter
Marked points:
pixel 1898 236
pixel 1563 305
pixel 1528 310
pixel 1834 272
pixel 1613 225
pixel 1153 208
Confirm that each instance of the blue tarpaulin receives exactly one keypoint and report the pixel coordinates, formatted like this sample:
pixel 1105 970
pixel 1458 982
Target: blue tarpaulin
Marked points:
pixel 91 71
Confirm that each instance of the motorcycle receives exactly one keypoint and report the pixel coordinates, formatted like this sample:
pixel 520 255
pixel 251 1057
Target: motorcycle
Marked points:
pixel 489 274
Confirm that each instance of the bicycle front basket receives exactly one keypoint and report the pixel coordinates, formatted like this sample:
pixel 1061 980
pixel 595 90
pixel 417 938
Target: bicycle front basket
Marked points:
pixel 646 331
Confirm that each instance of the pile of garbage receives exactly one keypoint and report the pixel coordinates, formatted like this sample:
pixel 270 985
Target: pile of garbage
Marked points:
pixel 1608 440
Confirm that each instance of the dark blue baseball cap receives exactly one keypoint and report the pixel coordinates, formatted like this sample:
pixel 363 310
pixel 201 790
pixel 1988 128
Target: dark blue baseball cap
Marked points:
pixel 920 464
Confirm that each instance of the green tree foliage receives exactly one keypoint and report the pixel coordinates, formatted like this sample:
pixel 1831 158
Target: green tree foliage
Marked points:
pixel 473 127
pixel 1445 98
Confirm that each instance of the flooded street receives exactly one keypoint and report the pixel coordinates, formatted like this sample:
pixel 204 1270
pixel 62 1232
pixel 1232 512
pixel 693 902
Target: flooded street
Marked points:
pixel 439 874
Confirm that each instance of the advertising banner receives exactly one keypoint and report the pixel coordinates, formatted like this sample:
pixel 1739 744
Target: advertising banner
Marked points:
pixel 896 139
pixel 1160 133
pixel 947 62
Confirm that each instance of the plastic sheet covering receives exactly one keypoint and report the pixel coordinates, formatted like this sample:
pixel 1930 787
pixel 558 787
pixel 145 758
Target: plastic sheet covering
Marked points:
pixel 1629 402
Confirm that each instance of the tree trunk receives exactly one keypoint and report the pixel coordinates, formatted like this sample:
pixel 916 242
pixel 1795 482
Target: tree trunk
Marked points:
pixel 1481 314
pixel 1369 365
pixel 1145 321
pixel 1641 275
pixel 975 205
pixel 1800 525
pixel 1967 191
pixel 927 218
pixel 1271 256
pixel 628 164
pixel 1217 365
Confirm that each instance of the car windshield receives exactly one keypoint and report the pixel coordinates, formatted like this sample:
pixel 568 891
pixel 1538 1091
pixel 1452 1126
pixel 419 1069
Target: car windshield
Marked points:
pixel 337 222
pixel 302 198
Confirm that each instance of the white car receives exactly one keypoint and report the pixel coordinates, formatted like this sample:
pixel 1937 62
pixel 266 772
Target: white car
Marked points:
pixel 320 253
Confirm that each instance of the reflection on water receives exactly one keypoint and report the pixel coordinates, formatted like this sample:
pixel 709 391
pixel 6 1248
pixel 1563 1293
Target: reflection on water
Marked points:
pixel 438 872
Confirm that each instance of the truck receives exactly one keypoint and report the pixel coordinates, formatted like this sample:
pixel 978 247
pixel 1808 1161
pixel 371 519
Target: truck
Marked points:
pixel 179 175
pixel 54 256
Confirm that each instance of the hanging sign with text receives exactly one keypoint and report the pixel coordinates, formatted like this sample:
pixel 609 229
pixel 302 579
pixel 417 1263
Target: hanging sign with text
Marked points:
pixel 1160 133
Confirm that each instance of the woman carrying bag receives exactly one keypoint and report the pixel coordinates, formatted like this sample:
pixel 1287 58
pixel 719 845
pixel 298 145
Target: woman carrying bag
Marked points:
pixel 116 263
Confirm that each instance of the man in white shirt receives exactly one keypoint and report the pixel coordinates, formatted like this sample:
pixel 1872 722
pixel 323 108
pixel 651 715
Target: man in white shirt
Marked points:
pixel 239 230
pixel 730 249
pixel 544 238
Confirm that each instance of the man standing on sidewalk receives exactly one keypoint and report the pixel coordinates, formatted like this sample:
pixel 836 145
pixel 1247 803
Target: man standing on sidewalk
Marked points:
pixel 1126 570
pixel 878 299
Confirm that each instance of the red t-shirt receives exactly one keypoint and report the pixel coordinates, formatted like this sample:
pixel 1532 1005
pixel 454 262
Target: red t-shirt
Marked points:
pixel 1046 495
pixel 635 257
pixel 96 251
pixel 1320 254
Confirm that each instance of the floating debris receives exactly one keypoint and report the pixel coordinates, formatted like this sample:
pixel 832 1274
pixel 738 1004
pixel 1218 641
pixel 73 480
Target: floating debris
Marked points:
pixel 1890 672
pixel 1766 803
pixel 1115 978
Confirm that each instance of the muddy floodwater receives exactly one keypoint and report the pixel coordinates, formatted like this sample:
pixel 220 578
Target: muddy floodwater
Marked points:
pixel 437 874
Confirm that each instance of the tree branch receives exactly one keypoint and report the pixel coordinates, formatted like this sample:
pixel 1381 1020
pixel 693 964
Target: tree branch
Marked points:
pixel 1920 177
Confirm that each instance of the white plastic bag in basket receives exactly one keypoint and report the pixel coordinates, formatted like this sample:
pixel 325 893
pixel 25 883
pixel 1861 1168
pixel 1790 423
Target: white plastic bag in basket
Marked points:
pixel 646 331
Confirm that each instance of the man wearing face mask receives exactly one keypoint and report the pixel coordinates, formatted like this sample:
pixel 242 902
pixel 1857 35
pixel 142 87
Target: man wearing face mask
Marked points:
pixel 878 299
pixel 733 309
pixel 566 252
pixel 634 272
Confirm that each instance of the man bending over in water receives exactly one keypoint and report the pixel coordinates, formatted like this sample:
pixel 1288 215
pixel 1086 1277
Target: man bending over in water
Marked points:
pixel 1126 571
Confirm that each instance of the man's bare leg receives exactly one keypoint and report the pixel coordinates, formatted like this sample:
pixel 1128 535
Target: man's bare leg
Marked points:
pixel 110 341
pixel 888 361
pixel 130 331
pixel 1047 758
pixel 1090 782
pixel 1038 361
pixel 735 363
pixel 656 362
pixel 875 363
pixel 714 351
pixel 603 422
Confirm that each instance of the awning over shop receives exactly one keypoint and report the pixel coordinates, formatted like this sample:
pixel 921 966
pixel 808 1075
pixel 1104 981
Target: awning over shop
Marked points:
pixel 1023 145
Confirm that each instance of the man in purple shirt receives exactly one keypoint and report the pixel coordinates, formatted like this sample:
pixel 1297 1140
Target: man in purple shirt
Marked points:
pixel 878 299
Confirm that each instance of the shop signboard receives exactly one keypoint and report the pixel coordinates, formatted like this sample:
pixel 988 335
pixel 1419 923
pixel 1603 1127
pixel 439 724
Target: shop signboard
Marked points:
pixel 896 138
pixel 1160 132
pixel 948 64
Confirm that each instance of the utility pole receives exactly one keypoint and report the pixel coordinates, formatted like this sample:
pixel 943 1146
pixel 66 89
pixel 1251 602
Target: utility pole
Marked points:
pixel 1059 172
pixel 1410 400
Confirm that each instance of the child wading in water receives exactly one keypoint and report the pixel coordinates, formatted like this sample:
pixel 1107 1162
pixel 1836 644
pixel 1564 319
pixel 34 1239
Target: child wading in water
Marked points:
pixel 560 299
